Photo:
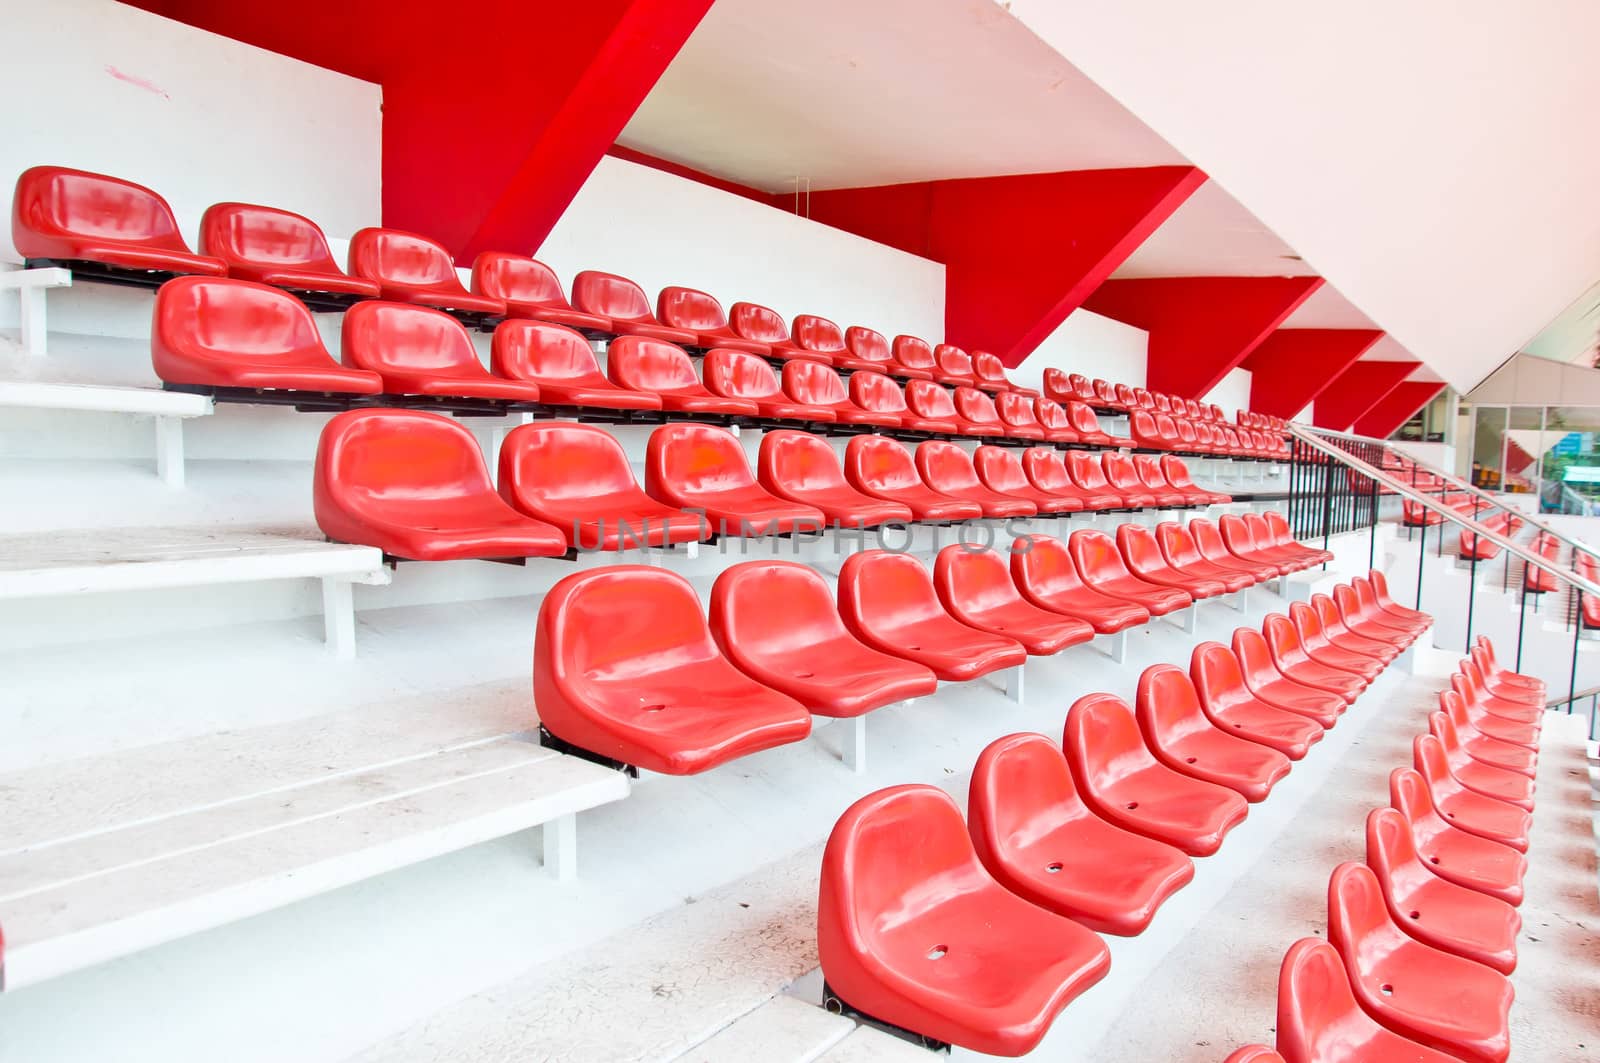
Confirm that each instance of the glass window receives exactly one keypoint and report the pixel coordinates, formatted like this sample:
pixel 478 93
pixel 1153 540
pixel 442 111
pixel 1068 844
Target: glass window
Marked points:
pixel 1488 446
pixel 1571 460
pixel 1523 447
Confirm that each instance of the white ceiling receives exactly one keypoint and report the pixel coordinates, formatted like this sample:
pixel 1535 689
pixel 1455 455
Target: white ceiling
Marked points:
pixel 851 93
pixel 1575 335
pixel 1212 234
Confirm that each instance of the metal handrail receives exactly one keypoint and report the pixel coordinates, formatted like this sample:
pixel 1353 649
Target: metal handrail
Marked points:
pixel 1570 698
pixel 1315 442
pixel 1462 485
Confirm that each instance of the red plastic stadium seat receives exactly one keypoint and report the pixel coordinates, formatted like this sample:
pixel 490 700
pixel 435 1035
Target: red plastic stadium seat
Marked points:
pixel 815 338
pixel 1017 417
pixel 954 365
pixel 1292 659
pixel 1272 686
pixel 946 468
pixel 978 409
pixel 1033 832
pixel 913 358
pixel 1516 707
pixel 1144 559
pixel 559 361
pixel 702 467
pixel 803 468
pixel 748 377
pixel 889 602
pixel 1491 780
pixel 865 349
pixel 1487 736
pixel 1209 541
pixel 1001 471
pixel 1183 555
pixel 1484 649
pixel 414 485
pixel 880 467
pixel 1087 426
pixel 815 383
pixel 991 374
pixel 751 321
pixel 1384 645
pixel 1048 473
pixel 1101 565
pixel 421 351
pixel 1089 474
pixel 1432 909
pixel 624 667
pixel 279 248
pixel 1433 997
pixel 578 478
pixel 625 304
pixel 1363 615
pixel 1054 422
pixel 1465 859
pixel 1227 702
pixel 776 621
pixel 1123 783
pixel 1314 641
pixel 1465 809
pixel 931 402
pixel 72 216
pixel 413 269
pixel 1147 436
pixel 1501 682
pixel 1123 478
pixel 1282 535
pixel 695 311
pixel 1184 739
pixel 1240 541
pixel 913 931
pixel 660 368
pixel 530 289
pixel 1319 1020
pixel 878 394
pixel 1177 474
pixel 1044 573
pixel 1278 544
pixel 209 332
pixel 975 587
pixel 1253 1054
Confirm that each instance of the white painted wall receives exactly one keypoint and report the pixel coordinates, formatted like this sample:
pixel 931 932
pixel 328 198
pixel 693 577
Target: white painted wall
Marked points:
pixel 1232 394
pixel 1091 344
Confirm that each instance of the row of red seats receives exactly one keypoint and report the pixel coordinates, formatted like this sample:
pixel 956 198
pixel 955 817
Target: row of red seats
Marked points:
pixel 1423 934
pixel 1414 514
pixel 979 934
pixel 1536 580
pixel 1587 567
pixel 1125 399
pixel 627 672
pixel 1160 432
pixel 1468 546
pixel 416 485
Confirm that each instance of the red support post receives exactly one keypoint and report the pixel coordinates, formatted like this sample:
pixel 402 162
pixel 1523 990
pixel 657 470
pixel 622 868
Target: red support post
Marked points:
pixel 1357 390
pixel 1293 365
pixel 1396 408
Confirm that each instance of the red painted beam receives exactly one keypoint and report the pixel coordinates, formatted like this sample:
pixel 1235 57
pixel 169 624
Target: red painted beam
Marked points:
pixel 1201 328
pixel 1356 391
pixel 1396 408
pixel 1293 365
pixel 494 113
pixel 1021 252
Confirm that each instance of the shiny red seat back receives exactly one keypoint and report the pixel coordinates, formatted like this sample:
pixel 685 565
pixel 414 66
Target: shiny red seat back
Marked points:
pixel 563 461
pixel 755 322
pixel 1016 409
pixel 403 260
pixel 867 345
pixel 697 459
pixel 1001 470
pixel 800 461
pixel 929 400
pixel 1045 468
pixel 542 351
pixel 914 353
pixel 610 295
pixel 1045 569
pixel 1052 416
pixel 644 364
pixel 517 279
pixel 953 362
pixel 254 240
pixel 405 338
pixel 881 591
pixel 989 368
pixel 976 406
pixel 1083 418
pixel 1086 470
pixel 690 308
pixel 814 333
pixel 201 319
pixel 877 393
pixel 737 375
pixel 385 458
pixel 815 383
pixel 946 467
pixel 52 203
pixel 880 463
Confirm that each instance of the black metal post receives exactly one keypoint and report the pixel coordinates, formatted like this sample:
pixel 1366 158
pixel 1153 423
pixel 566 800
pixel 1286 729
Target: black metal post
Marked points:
pixel 1372 543
pixel 1577 631
pixel 1327 503
pixel 1472 577
pixel 1522 618
pixel 1422 555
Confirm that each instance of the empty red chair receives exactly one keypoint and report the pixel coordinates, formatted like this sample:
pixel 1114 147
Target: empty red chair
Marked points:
pixel 415 485
pixel 1123 783
pixel 913 358
pixel 975 587
pixel 530 289
pixel 912 931
pixel 578 478
pixel 1048 473
pixel 1364 617
pixel 1497 681
pixel 93 224
pixel 1054 422
pixel 280 248
pixel 421 351
pixel 1282 536
pixel 695 311
pixel 888 601
pixel 1101 565
pixel 1240 541
pixel 991 375
pixel 561 364
pixel 1087 426
pixel 1017 416
pixel 1368 598
pixel 1495 733
pixel 1314 640
pixel 803 468
pixel 1066 387
pixel 1044 574
pixel 1227 702
pixel 213 333
pixel 1148 436
pixel 1465 859
pixel 880 467
pixel 1319 1020
pixel 1516 707
pixel 1492 780
pixel 625 669
pixel 1177 474
pixel 954 365
pixel 1208 540
pixel 625 304
pixel 1277 689
pixel 1253 1054
pixel 978 410
pixel 702 467
pixel 815 383
pixel 414 269
pixel 1183 738
pixel 1465 809
pixel 815 338
pixel 751 321
pixel 865 349
pixel 748 377
pixel 1183 555
pixel 1089 474
pixel 1292 659
pixel 1287 551
pixel 1434 910
pixel 876 393
pixel 776 621
pixel 1433 997
pixel 931 402
pixel 663 369
pixel 1123 478
pixel 947 468
pixel 1376 642
pixel 1496 674
pixel 1001 471
pixel 1145 560
pixel 1033 832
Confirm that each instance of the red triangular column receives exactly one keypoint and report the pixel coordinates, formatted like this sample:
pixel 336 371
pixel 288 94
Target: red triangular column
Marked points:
pixel 1396 408
pixel 1356 391
pixel 1293 365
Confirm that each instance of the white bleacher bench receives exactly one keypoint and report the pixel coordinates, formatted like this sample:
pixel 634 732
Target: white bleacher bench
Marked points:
pixel 103 857
pixel 58 563
pixel 30 286
pixel 169 408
